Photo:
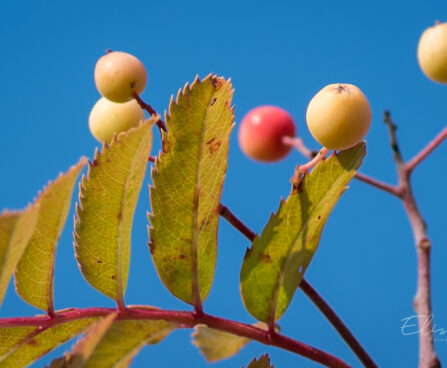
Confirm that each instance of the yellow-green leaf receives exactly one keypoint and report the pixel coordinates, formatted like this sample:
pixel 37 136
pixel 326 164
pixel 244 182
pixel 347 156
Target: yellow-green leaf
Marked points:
pixel 35 271
pixel 262 362
pixel 188 180
pixel 274 266
pixel 20 346
pixel 84 348
pixel 124 340
pixel 16 229
pixel 216 345
pixel 108 197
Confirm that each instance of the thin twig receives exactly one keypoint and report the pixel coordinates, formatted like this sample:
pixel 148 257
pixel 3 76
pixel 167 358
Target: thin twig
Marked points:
pixel 393 138
pixel 422 299
pixel 184 319
pixel 236 223
pixel 338 324
pixel 312 294
pixel 429 148
pixel 392 189
pixel 299 145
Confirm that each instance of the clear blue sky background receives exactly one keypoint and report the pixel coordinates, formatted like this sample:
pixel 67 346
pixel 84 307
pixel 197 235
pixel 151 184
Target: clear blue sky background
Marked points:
pixel 278 53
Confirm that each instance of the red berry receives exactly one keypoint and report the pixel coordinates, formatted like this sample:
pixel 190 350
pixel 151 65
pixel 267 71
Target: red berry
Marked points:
pixel 261 133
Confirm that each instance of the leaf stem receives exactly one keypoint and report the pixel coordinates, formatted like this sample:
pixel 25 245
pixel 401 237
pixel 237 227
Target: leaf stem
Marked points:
pixel 312 294
pixel 184 319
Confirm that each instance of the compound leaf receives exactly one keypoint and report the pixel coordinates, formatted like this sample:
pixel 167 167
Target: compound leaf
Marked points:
pixel 216 345
pixel 262 362
pixel 187 186
pixel 274 266
pixel 107 201
pixel 16 229
pixel 35 271
pixel 20 346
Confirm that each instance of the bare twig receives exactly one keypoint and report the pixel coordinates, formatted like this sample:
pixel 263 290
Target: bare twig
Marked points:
pixel 312 294
pixel 338 324
pixel 422 299
pixel 393 138
pixel 416 160
pixel 392 189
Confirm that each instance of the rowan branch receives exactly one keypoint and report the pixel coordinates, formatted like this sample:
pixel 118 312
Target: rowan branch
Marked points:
pixel 184 320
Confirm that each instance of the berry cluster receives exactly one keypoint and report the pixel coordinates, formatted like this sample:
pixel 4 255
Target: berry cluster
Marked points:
pixel 119 76
pixel 338 116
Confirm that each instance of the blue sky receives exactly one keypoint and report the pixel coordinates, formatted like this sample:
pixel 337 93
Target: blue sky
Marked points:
pixel 278 53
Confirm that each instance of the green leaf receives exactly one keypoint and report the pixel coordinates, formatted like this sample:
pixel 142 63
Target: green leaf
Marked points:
pixel 188 181
pixel 108 197
pixel 274 266
pixel 20 346
pixel 216 345
pixel 16 229
pixel 262 362
pixel 84 348
pixel 124 340
pixel 35 271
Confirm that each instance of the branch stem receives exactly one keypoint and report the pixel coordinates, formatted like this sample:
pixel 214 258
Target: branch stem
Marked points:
pixel 422 299
pixel 429 148
pixel 184 319
pixel 337 323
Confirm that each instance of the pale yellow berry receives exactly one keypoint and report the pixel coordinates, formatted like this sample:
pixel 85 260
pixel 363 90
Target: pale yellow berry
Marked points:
pixel 339 116
pixel 118 75
pixel 432 52
pixel 108 118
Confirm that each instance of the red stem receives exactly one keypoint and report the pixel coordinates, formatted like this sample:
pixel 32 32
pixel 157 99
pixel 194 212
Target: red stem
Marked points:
pixel 416 160
pixel 392 189
pixel 160 123
pixel 338 324
pixel 188 319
